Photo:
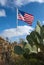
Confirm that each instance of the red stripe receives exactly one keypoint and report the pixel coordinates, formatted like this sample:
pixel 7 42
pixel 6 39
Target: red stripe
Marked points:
pixel 28 15
pixel 27 18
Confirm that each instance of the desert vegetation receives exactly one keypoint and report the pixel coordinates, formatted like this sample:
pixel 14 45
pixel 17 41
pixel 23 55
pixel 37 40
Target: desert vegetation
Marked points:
pixel 24 53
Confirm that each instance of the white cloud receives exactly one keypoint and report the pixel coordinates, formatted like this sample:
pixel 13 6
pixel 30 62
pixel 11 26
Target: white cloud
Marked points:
pixel 40 1
pixel 2 13
pixel 3 2
pixel 23 2
pixel 43 22
pixel 14 3
pixel 18 2
pixel 21 30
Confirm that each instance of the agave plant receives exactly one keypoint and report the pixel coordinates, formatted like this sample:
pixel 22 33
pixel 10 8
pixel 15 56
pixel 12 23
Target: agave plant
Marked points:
pixel 40 35
pixel 35 41
pixel 36 37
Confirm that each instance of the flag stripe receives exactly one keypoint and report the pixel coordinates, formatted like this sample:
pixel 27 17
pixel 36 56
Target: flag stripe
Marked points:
pixel 20 17
pixel 28 18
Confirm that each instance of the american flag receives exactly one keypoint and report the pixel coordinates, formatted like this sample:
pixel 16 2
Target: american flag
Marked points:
pixel 28 18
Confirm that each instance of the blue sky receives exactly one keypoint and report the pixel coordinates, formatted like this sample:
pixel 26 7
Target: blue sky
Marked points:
pixel 8 17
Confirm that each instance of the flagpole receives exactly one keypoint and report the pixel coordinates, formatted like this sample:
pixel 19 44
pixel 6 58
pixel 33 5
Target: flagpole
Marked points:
pixel 17 18
pixel 17 21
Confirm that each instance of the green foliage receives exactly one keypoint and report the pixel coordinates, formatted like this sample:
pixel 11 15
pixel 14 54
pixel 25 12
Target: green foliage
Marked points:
pixel 30 49
pixel 18 50
pixel 36 37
